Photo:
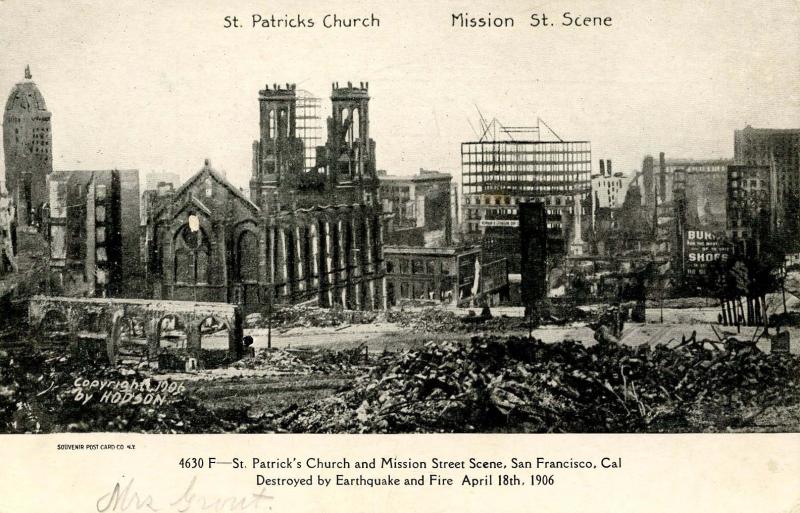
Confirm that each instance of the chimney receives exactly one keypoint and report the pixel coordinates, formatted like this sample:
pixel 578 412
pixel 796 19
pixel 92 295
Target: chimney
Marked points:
pixel 602 167
pixel 608 166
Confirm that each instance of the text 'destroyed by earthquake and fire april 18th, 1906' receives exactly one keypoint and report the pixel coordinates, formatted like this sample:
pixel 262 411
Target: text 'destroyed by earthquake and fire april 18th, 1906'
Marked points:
pixel 393 471
pixel 371 20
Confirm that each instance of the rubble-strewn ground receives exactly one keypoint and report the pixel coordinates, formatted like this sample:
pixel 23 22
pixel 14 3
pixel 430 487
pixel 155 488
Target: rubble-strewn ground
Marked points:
pixel 408 373
pixel 517 384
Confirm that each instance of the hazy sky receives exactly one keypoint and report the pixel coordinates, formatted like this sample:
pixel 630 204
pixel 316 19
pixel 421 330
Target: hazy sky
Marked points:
pixel 137 84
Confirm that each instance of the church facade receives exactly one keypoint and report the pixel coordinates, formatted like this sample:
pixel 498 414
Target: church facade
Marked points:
pixel 302 236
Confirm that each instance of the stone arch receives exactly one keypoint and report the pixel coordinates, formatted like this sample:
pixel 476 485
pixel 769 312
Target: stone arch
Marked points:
pixel 92 321
pixel 54 322
pixel 214 326
pixel 214 335
pixel 127 337
pixel 172 332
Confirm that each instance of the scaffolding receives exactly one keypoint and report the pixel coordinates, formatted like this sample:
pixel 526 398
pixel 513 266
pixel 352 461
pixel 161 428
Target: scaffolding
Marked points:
pixel 308 126
pixel 509 165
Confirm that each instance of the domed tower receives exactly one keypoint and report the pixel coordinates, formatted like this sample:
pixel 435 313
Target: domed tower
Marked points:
pixel 27 143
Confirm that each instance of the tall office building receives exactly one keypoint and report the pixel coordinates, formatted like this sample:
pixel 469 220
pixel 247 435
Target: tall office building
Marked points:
pixel 498 175
pixel 778 149
pixel 27 143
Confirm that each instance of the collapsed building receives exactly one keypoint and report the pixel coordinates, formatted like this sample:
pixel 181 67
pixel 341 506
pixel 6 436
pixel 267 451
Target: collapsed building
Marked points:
pixel 304 235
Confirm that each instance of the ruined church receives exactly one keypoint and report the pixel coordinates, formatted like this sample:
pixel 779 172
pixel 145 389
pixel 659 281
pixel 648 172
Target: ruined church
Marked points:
pixel 310 236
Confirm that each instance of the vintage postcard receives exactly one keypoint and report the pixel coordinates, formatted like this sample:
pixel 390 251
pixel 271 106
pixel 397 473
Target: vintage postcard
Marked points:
pixel 427 256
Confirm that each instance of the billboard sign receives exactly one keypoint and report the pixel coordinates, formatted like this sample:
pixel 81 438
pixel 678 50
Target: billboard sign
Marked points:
pixel 702 249
pixel 496 223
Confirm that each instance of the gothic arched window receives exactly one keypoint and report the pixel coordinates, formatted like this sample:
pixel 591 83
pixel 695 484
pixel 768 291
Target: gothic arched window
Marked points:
pixel 247 256
pixel 191 256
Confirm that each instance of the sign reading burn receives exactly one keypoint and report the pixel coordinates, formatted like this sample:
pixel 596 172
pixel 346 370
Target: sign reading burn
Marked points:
pixel 703 248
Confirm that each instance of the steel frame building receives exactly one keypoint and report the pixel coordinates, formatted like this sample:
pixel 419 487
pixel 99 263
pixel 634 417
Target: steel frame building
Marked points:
pixel 498 175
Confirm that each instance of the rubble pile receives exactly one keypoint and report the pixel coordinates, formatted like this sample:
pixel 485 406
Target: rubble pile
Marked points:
pixel 37 395
pixel 310 317
pixel 439 320
pixel 515 384
pixel 305 362
pixel 429 320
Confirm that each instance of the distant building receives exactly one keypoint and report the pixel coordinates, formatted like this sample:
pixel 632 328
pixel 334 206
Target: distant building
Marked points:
pixel 8 259
pixel 705 179
pixel 154 179
pixel 748 202
pixel 658 178
pixel 606 187
pixel 779 149
pixel 695 219
pixel 419 207
pixel 453 275
pixel 94 245
pixel 498 175
pixel 27 144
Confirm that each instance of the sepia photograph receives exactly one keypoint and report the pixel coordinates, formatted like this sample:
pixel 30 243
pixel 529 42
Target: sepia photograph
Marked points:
pixel 375 218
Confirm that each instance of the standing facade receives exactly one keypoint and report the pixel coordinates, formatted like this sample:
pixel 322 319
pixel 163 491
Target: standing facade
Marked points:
pixel 779 150
pixel 419 208
pixel 94 240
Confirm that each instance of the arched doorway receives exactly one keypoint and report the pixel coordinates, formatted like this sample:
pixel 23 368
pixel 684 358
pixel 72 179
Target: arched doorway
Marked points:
pixel 132 339
pixel 172 333
pixel 214 341
pixel 92 324
pixel 54 325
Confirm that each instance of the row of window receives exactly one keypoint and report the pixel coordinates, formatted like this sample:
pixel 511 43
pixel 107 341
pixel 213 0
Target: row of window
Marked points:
pixel 415 266
pixel 423 291
pixel 192 252
pixel 753 183
pixel 571 175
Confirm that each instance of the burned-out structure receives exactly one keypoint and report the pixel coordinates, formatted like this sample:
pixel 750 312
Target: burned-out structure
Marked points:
pixel 453 275
pixel 304 235
pixel 92 231
pixel 8 259
pixel 749 209
pixel 418 208
pixel 499 174
pixel 779 151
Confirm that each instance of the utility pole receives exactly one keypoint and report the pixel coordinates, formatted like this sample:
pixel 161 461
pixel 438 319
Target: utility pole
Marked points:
pixel 269 318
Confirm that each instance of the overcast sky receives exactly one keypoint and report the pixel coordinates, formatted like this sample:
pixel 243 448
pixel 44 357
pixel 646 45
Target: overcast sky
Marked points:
pixel 136 84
